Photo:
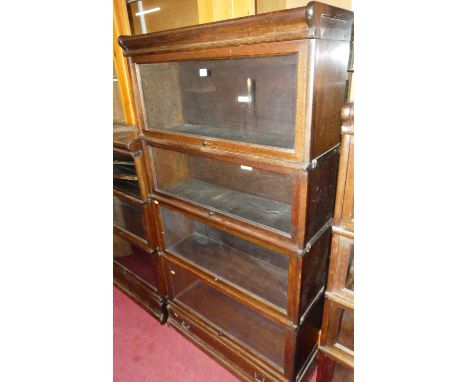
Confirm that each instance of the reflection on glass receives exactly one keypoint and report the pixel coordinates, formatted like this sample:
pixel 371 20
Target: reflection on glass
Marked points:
pixel 134 259
pixel 130 217
pixel 341 328
pixel 148 16
pixel 250 100
pixel 244 265
pixel 260 196
pixel 232 318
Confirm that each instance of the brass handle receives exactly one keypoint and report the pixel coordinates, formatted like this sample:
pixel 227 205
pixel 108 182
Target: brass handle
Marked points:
pixel 205 143
pixel 185 325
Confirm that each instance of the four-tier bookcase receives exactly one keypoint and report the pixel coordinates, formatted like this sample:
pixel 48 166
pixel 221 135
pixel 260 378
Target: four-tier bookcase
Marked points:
pixel 240 128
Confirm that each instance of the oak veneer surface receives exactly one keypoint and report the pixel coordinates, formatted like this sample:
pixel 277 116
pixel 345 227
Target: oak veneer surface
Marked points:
pixel 126 137
pixel 316 20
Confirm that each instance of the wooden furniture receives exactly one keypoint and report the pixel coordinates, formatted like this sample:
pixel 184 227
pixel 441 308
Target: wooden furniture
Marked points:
pixel 240 128
pixel 137 267
pixel 336 359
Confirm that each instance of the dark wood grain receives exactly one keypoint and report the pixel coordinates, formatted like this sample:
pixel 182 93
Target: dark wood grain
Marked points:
pixel 317 20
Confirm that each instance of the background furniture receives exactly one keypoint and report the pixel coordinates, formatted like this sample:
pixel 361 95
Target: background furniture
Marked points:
pixel 240 127
pixel 137 268
pixel 336 359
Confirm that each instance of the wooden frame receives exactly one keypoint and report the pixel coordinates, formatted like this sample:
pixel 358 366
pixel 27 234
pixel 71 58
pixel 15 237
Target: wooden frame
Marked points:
pixel 300 48
pixel 151 297
pixel 122 26
pixel 339 298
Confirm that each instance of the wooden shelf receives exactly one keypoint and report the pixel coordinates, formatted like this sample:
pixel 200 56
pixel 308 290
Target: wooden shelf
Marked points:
pixel 125 177
pixel 127 187
pixel 125 163
pixel 264 211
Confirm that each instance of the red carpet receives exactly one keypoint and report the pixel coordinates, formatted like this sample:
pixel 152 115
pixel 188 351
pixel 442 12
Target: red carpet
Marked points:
pixel 145 351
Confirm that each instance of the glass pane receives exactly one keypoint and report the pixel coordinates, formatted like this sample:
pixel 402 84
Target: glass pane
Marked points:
pixel 134 259
pixel 350 274
pixel 160 15
pixel 341 328
pixel 232 318
pixel 345 263
pixel 129 217
pixel 240 263
pixel 250 100
pixel 260 196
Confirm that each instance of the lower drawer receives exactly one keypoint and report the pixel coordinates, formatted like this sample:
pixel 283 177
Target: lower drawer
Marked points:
pixel 140 292
pixel 221 348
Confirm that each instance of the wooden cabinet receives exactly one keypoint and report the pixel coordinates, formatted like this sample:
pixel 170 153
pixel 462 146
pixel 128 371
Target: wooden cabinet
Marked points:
pixel 138 269
pixel 240 128
pixel 336 360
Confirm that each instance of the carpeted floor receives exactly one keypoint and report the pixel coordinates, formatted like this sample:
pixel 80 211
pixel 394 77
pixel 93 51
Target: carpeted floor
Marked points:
pixel 145 351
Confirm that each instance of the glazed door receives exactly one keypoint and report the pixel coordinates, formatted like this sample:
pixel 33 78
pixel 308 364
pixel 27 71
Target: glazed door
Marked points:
pixel 246 99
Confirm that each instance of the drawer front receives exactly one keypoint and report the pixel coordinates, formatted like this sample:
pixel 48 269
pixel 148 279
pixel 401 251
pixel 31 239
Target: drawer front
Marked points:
pixel 129 215
pixel 209 338
pixel 242 265
pixel 251 330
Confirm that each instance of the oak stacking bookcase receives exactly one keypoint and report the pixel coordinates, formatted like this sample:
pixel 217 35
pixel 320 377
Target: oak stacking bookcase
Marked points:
pixel 138 269
pixel 240 128
pixel 336 356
